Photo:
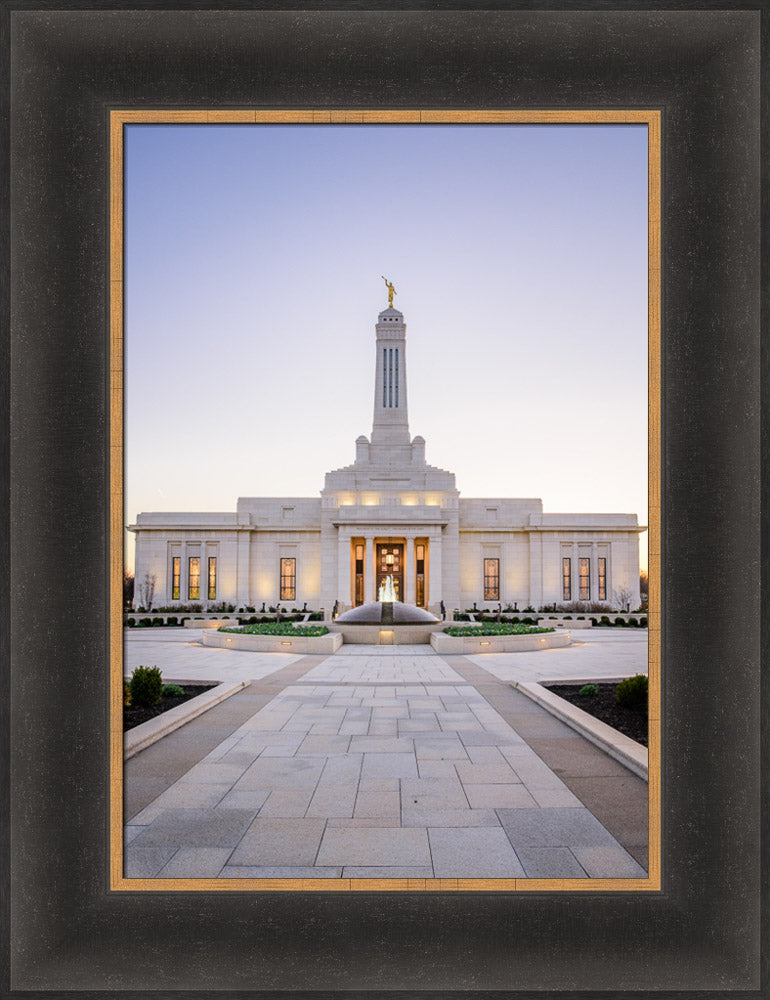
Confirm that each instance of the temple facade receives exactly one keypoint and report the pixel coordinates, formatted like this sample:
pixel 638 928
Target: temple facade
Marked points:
pixel 388 513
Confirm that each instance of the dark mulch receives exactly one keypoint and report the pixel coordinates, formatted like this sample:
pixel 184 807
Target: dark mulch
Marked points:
pixel 604 706
pixel 134 716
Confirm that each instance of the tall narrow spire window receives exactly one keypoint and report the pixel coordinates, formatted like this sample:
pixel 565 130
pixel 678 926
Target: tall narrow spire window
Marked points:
pixel 396 378
pixel 390 377
pixel 384 377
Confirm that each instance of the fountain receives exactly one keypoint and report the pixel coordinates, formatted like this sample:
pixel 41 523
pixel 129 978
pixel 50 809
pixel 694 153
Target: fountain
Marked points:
pixel 387 614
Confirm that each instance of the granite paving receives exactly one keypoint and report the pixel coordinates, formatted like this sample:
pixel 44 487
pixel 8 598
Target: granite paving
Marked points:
pixel 373 762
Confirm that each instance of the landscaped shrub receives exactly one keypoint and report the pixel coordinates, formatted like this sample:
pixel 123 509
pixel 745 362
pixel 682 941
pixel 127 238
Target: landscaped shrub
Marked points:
pixel 146 685
pixel 643 623
pixel 278 628
pixel 604 620
pixel 594 621
pixel 494 628
pixel 172 691
pixel 145 621
pixel 632 692
pixel 131 622
pixel 567 618
pixel 620 621
pixel 157 621
pixel 589 690
pixel 633 622
pixel 171 620
pixel 126 694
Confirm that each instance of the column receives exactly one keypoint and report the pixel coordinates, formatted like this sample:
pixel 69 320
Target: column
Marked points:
pixel 535 595
pixel 369 594
pixel 343 569
pixel 410 590
pixel 242 578
pixel 435 588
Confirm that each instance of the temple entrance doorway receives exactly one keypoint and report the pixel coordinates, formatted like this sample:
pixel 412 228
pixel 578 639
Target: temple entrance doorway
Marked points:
pixel 390 562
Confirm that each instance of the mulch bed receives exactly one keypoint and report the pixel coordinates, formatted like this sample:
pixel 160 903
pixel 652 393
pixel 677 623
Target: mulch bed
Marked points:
pixel 604 706
pixel 134 716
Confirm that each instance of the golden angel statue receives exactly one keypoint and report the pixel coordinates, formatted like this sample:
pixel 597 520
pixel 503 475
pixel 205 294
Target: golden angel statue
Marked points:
pixel 391 290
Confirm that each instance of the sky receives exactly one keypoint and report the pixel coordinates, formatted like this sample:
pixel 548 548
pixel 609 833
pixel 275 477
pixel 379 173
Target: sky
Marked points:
pixel 254 257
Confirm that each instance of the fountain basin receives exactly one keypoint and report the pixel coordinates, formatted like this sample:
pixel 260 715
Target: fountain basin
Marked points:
pixel 386 623
pixel 387 613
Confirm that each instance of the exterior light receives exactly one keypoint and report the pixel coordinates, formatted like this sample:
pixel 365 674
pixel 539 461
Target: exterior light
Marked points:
pixel 485 642
pixel 285 643
pixel 389 559
pixel 229 640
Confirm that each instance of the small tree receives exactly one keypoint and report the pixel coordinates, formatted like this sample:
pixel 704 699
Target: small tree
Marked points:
pixel 623 598
pixel 644 585
pixel 147 590
pixel 128 588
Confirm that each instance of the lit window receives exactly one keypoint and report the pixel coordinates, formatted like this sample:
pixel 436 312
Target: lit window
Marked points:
pixel 212 577
pixel 584 570
pixel 288 579
pixel 566 579
pixel 176 575
pixel 193 578
pixel 491 579
pixel 419 551
pixel 602 578
pixel 359 575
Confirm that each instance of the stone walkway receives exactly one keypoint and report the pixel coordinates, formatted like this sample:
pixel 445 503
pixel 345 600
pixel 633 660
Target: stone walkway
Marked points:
pixel 373 762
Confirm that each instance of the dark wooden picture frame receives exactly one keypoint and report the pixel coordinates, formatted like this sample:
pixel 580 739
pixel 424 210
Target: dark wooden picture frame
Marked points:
pixel 120 341
pixel 65 930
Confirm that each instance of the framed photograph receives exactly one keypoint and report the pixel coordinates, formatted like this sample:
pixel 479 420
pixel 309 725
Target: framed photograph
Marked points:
pixel 99 194
pixel 391 764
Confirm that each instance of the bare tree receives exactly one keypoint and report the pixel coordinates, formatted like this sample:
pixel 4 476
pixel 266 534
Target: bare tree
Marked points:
pixel 147 590
pixel 644 584
pixel 622 598
pixel 128 588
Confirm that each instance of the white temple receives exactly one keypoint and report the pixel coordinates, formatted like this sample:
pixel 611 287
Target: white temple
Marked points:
pixel 389 513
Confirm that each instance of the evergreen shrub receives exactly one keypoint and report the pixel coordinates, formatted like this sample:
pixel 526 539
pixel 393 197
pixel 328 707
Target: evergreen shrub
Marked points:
pixel 632 692
pixel 146 685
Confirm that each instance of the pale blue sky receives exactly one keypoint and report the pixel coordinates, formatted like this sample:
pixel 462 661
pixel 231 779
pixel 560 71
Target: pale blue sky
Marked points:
pixel 254 257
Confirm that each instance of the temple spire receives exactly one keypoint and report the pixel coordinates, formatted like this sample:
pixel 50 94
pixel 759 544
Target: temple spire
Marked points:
pixel 390 426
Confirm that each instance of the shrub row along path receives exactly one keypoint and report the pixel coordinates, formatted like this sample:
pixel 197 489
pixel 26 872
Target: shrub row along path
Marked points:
pixel 382 761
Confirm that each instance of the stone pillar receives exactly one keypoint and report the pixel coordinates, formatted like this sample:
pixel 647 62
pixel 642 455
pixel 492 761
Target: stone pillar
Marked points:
pixel 434 552
pixel 535 595
pixel 343 568
pixel 242 580
pixel 369 594
pixel 410 589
